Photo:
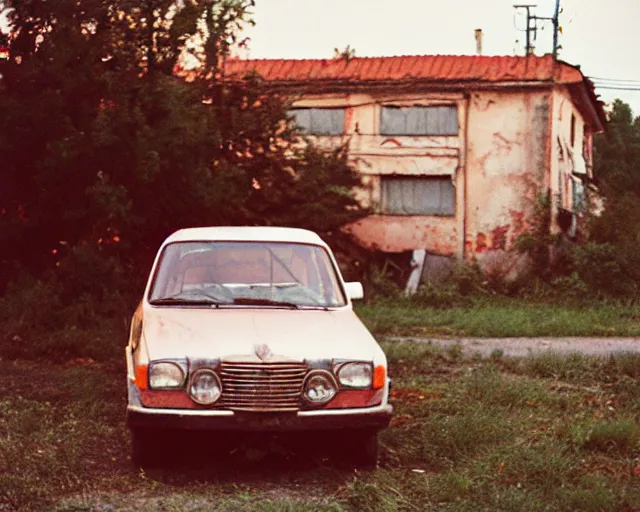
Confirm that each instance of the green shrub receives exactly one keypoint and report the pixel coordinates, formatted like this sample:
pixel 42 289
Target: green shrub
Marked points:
pixel 29 302
pixel 602 267
pixel 572 286
pixel 439 295
pixel 90 274
pixel 382 281
pixel 79 310
pixel 538 240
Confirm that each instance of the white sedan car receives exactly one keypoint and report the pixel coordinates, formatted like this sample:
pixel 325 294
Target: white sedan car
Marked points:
pixel 252 328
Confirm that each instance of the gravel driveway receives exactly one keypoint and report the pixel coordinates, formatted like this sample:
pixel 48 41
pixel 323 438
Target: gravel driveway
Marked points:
pixel 517 347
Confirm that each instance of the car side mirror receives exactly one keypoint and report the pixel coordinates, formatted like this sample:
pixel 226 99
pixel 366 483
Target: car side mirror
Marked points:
pixel 354 290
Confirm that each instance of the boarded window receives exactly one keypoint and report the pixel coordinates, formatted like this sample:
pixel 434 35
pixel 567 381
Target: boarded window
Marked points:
pixel 319 121
pixel 429 195
pixel 418 120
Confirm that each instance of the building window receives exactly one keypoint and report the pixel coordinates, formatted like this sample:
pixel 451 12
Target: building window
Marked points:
pixel 319 121
pixel 419 120
pixel 424 195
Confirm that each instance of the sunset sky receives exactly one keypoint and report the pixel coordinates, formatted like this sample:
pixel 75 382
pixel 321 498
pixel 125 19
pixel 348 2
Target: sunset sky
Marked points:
pixel 599 36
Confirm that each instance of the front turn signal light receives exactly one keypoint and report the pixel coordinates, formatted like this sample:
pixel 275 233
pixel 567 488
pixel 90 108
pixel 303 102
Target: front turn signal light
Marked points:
pixel 379 377
pixel 142 376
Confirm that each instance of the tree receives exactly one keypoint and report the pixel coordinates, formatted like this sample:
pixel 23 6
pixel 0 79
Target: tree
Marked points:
pixel 104 147
pixel 613 252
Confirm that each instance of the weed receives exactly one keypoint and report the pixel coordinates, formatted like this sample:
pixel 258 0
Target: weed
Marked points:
pixel 496 355
pixel 372 497
pixel 552 365
pixel 439 296
pixel 621 435
pixel 451 486
pixel 488 386
pixel 593 499
pixel 544 466
pixel 578 367
pixel 455 352
pixel 627 392
pixel 438 437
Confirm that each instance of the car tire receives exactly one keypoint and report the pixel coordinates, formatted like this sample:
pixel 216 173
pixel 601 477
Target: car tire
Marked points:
pixel 144 447
pixel 361 449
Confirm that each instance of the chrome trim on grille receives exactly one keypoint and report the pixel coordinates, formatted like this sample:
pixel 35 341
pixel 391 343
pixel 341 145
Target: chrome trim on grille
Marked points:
pixel 264 386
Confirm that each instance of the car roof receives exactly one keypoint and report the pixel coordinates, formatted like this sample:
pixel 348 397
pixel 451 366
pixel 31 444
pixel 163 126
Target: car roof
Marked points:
pixel 245 234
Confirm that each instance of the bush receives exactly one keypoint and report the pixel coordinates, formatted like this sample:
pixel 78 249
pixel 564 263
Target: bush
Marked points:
pixel 604 270
pixel 94 281
pixel 30 302
pixel 442 295
pixel 80 309
pixel 572 287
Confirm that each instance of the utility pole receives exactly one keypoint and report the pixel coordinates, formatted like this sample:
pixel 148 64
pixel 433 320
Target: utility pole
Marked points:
pixel 556 26
pixel 532 26
pixel 531 29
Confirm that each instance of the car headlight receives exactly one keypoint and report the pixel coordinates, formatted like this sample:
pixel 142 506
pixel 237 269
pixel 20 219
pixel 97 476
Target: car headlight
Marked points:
pixel 205 387
pixel 319 387
pixel 165 375
pixel 356 375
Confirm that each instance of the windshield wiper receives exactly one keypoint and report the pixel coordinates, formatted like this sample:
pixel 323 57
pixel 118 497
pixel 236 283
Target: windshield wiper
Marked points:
pixel 177 301
pixel 248 301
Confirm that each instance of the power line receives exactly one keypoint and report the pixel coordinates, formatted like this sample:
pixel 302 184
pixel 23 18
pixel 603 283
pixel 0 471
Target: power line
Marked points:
pixel 613 81
pixel 613 88
pixel 615 84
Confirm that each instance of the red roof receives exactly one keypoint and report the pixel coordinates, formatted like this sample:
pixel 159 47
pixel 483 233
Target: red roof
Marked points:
pixel 452 70
pixel 441 68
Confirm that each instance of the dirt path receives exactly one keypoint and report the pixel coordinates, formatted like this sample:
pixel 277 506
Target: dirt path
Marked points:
pixel 517 347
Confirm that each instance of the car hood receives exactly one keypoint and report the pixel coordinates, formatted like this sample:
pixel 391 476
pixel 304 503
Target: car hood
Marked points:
pixel 278 333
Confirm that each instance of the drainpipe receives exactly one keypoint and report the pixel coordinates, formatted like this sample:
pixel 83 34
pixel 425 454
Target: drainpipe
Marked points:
pixel 465 176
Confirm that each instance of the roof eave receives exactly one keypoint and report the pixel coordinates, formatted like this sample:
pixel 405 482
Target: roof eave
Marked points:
pixel 587 102
pixel 314 84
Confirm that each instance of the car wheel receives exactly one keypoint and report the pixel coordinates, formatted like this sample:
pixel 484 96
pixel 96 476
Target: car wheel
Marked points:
pixel 144 447
pixel 361 449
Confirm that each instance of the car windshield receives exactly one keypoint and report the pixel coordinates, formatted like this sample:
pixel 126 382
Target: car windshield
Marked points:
pixel 259 274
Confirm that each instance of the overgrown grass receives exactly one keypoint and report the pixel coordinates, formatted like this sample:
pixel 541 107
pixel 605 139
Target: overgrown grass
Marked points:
pixel 500 317
pixel 81 330
pixel 197 500
pixel 540 433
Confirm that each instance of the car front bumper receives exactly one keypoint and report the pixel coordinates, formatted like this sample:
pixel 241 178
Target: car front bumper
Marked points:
pixel 376 418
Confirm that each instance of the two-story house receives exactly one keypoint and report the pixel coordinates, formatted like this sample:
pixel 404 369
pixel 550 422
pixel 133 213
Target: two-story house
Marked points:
pixel 454 151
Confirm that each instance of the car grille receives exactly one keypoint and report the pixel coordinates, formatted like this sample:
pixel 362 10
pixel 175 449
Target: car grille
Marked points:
pixel 262 386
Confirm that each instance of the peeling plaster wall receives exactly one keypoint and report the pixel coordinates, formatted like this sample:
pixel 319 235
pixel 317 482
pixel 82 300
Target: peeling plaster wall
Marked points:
pixel 396 233
pixel 498 173
pixel 507 164
pixel 376 155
